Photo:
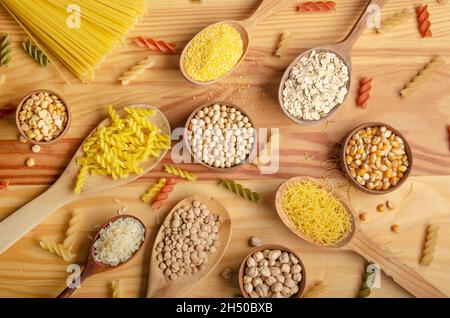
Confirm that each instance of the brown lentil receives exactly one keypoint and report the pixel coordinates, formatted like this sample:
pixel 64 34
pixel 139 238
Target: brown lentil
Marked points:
pixel 395 228
pixel 381 207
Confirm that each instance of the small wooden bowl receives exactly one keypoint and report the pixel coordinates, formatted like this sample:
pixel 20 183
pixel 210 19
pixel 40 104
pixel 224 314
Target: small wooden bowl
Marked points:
pixel 285 77
pixel 188 144
pixel 66 128
pixel 346 171
pixel 271 247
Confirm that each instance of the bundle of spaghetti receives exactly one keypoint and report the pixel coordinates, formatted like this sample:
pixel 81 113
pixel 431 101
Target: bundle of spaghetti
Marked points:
pixel 163 194
pixel 153 190
pixel 316 213
pixel 283 44
pixel 156 45
pixel 316 290
pixel 119 149
pixel 180 173
pixel 57 249
pixel 5 50
pixel 240 190
pixel 365 86
pixel 73 230
pixel 423 76
pixel 394 21
pixel 81 40
pixel 317 6
pixel 137 70
pixel 35 53
pixel 429 245
pixel 423 20
pixel 116 289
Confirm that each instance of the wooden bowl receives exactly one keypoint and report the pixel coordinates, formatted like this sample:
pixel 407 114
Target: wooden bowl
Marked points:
pixel 271 247
pixel 285 77
pixel 188 144
pixel 66 128
pixel 346 171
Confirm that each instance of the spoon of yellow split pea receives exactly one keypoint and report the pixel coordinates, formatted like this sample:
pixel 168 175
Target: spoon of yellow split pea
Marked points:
pixel 233 31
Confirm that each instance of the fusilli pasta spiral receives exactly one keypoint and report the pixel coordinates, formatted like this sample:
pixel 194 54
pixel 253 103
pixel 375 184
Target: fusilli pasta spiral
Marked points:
pixel 316 290
pixel 81 179
pixel 153 190
pixel 163 194
pixel 365 86
pixel 137 70
pixel 156 45
pixel 73 230
pixel 317 6
pixel 35 53
pixel 5 50
pixel 180 173
pixel 430 245
pixel 116 289
pixel 394 21
pixel 283 44
pixel 57 249
pixel 423 76
pixel 240 190
pixel 423 20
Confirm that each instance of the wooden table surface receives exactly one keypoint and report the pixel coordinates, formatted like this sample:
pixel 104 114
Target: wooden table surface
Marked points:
pixel 392 59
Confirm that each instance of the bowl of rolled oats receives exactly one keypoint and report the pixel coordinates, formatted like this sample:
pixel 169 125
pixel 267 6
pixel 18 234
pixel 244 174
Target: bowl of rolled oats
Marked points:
pixel 43 117
pixel 220 136
pixel 314 86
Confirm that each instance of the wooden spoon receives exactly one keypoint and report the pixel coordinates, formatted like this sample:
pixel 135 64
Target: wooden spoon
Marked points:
pixel 266 9
pixel 361 244
pixel 61 193
pixel 92 266
pixel 161 286
pixel 343 50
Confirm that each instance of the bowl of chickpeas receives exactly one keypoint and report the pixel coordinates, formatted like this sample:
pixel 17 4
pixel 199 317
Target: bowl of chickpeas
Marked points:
pixel 376 158
pixel 220 136
pixel 43 117
pixel 272 271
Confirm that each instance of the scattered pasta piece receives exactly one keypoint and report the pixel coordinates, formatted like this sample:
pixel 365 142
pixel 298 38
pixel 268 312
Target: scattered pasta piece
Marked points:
pixel 317 6
pixel 57 249
pixel 153 190
pixel 73 230
pixel 119 149
pixel 240 190
pixel 365 86
pixel 430 245
pixel 163 194
pixel 116 289
pixel 180 173
pixel 392 22
pixel 36 53
pixel 4 185
pixel 316 290
pixel 137 70
pixel 156 45
pixel 5 51
pixel 283 44
pixel 423 20
pixel 429 70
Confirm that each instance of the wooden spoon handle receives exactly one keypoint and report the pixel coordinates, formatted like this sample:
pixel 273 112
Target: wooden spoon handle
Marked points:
pixel 373 7
pixel 18 224
pixel 400 273
pixel 265 9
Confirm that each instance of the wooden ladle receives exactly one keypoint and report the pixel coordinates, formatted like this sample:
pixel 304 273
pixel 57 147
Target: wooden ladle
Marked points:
pixel 361 244
pixel 161 286
pixel 343 50
pixel 92 266
pixel 61 192
pixel 266 9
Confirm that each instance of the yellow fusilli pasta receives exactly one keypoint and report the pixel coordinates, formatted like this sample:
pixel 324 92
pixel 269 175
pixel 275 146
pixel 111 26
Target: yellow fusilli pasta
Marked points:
pixel 116 289
pixel 394 21
pixel 283 44
pixel 153 190
pixel 429 245
pixel 429 70
pixel 57 249
pixel 137 70
pixel 81 179
pixel 180 173
pixel 72 231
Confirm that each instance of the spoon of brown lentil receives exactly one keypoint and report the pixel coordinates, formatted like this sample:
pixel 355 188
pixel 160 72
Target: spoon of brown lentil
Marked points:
pixel 114 245
pixel 219 48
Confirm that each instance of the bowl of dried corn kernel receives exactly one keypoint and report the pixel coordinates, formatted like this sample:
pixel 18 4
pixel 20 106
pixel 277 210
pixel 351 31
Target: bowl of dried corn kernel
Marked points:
pixel 376 158
pixel 43 117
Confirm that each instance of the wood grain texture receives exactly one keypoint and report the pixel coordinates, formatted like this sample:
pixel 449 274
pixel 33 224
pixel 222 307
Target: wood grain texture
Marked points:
pixel 392 59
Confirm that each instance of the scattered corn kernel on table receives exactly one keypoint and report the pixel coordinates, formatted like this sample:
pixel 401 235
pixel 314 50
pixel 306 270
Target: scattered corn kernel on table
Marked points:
pixel 392 59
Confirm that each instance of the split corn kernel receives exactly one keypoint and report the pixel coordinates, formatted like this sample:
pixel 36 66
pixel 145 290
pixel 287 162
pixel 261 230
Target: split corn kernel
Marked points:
pixel 213 53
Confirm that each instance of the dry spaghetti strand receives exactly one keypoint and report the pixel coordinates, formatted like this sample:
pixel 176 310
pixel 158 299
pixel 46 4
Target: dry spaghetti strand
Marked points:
pixel 423 19
pixel 156 45
pixel 317 6
pixel 364 92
